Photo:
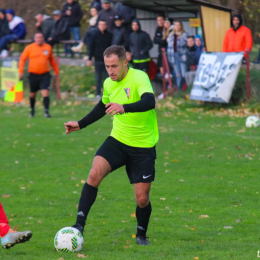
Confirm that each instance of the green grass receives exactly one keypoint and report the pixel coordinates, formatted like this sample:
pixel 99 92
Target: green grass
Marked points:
pixel 206 165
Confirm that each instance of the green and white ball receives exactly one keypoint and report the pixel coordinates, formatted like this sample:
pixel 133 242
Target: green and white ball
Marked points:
pixel 68 239
pixel 252 121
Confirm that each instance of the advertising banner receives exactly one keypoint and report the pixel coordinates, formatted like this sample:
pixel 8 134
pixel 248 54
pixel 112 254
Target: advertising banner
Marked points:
pixel 216 76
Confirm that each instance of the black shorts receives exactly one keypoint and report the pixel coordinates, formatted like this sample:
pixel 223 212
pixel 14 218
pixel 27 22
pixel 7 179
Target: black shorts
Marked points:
pixel 139 162
pixel 39 81
pixel 160 61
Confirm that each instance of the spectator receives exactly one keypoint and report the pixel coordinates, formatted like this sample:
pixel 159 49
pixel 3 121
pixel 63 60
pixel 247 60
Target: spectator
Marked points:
pixel 120 33
pixel 4 26
pixel 17 27
pixel 101 39
pixel 73 13
pixel 192 60
pixel 128 14
pixel 60 30
pixel 107 14
pixel 158 39
pixel 140 44
pixel 199 46
pixel 87 36
pixel 44 25
pixel 177 51
pixel 238 38
pixel 96 4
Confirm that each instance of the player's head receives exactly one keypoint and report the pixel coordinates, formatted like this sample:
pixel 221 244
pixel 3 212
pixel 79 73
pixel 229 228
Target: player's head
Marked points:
pixel 39 38
pixel 115 62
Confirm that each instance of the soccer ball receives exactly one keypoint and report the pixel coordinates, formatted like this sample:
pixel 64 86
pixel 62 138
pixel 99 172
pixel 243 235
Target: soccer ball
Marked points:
pixel 68 239
pixel 252 121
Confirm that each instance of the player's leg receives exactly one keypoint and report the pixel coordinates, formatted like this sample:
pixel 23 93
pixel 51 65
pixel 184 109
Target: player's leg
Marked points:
pixel 32 103
pixel 143 211
pixel 10 237
pixel 45 86
pixel 34 87
pixel 140 169
pixel 100 168
pixel 109 157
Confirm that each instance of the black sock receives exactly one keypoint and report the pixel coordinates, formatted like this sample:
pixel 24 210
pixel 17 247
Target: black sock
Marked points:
pixel 88 197
pixel 143 216
pixel 46 103
pixel 32 103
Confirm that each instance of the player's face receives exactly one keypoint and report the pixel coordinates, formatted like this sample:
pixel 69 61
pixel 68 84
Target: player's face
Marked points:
pixel 115 68
pixel 160 21
pixel 39 39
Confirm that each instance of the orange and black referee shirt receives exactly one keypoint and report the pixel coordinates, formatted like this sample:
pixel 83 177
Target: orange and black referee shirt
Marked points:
pixel 40 59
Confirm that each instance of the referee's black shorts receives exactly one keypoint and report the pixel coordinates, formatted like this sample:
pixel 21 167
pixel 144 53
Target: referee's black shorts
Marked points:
pixel 39 81
pixel 139 162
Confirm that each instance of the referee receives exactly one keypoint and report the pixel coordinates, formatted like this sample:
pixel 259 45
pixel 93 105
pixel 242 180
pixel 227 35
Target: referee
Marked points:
pixel 40 57
pixel 128 96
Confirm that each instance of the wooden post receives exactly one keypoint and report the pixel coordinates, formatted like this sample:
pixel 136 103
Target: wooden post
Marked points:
pixel 58 78
pixel 247 75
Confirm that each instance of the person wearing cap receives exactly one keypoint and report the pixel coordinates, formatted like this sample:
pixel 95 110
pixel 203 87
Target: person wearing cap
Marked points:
pixel 238 38
pixel 44 24
pixel 107 14
pixel 120 33
pixel 101 39
pixel 17 27
pixel 127 13
pixel 140 43
pixel 96 4
pixel 60 30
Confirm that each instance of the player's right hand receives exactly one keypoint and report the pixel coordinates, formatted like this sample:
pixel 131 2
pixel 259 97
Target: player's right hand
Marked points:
pixel 71 126
pixel 21 75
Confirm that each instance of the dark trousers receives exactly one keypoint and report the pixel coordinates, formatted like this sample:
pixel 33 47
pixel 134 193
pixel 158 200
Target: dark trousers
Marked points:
pixel 100 75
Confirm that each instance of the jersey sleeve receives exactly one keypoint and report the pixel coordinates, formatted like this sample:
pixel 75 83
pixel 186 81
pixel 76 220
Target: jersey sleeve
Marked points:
pixel 105 98
pixel 144 84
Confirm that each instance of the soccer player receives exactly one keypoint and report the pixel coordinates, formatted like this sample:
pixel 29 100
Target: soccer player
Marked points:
pixel 10 237
pixel 128 96
pixel 40 57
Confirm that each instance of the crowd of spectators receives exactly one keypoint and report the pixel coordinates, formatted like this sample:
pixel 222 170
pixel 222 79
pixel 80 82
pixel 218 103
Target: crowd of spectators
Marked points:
pixel 116 24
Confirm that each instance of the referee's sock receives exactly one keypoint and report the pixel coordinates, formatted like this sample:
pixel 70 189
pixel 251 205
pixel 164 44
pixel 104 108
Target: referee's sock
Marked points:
pixel 88 197
pixel 32 103
pixel 143 216
pixel 46 103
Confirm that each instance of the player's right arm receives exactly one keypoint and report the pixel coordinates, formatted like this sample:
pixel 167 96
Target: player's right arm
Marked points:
pixel 97 112
pixel 23 58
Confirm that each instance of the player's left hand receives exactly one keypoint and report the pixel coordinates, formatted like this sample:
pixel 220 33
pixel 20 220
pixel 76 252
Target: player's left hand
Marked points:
pixel 114 108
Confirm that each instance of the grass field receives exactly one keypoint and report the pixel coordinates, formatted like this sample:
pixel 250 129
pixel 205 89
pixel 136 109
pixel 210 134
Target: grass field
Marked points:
pixel 205 198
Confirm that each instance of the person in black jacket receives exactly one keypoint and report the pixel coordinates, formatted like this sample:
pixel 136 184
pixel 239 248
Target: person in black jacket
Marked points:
pixel 73 13
pixel 158 39
pixel 4 27
pixel 192 60
pixel 120 33
pixel 107 14
pixel 140 44
pixel 60 30
pixel 128 14
pixel 101 39
pixel 44 25
pixel 96 4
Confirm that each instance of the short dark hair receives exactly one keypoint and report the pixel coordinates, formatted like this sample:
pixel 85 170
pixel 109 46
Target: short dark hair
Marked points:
pixel 102 21
pixel 191 37
pixel 161 15
pixel 116 50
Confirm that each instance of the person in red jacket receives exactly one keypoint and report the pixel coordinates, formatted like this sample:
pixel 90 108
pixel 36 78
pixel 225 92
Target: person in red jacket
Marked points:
pixel 238 38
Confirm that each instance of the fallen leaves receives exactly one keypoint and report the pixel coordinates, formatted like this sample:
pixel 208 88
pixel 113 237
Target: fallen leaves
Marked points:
pixel 204 216
pixel 6 196
pixel 162 198
pixel 133 236
pixel 133 215
pixel 81 256
pixel 228 227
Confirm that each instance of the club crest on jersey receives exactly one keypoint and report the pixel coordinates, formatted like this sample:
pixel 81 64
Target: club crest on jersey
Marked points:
pixel 45 52
pixel 127 91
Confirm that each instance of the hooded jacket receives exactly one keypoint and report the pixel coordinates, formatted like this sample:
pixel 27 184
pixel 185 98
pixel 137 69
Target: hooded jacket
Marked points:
pixel 238 40
pixel 140 43
pixel 4 27
pixel 76 14
pixel 121 37
pixel 191 57
pixel 17 25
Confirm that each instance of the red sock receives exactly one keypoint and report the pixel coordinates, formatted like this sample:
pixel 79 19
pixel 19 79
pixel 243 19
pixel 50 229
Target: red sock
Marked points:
pixel 4 227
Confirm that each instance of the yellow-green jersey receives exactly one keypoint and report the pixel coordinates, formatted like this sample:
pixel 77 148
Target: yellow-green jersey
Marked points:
pixel 137 129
